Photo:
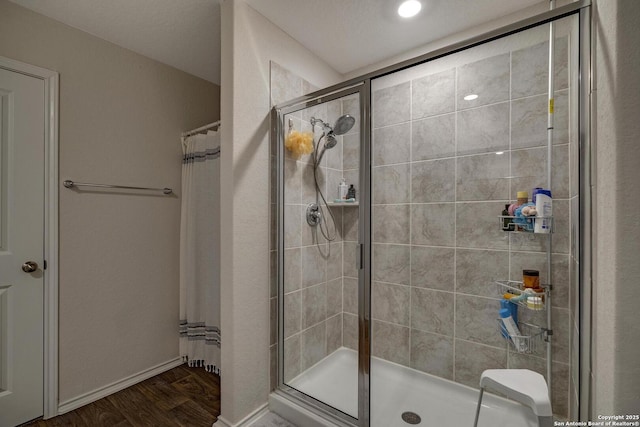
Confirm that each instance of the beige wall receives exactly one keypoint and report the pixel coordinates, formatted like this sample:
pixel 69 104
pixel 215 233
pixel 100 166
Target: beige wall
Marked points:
pixel 616 329
pixel 249 42
pixel 121 116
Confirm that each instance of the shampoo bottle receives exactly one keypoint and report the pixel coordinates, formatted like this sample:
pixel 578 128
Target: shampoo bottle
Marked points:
pixel 545 211
pixel 342 190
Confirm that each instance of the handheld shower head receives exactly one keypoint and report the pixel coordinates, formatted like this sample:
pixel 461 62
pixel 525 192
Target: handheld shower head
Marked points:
pixel 330 141
pixel 342 126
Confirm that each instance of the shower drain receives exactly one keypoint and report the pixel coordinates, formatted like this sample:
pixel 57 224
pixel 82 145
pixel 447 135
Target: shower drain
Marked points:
pixel 411 418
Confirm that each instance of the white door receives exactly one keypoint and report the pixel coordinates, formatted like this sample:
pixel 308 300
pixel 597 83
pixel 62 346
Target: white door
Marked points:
pixel 22 145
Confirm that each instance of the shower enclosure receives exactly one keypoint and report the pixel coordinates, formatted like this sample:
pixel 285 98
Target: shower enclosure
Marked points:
pixel 388 315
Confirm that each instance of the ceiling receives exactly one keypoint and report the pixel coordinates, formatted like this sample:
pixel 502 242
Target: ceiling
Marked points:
pixel 346 34
pixel 351 34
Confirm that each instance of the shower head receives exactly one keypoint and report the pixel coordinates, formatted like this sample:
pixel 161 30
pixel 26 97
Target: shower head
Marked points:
pixel 330 141
pixel 343 124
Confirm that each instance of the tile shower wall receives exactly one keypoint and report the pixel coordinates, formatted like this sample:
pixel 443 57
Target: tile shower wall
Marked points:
pixel 285 85
pixel 350 214
pixel 443 169
pixel 313 265
pixel 313 271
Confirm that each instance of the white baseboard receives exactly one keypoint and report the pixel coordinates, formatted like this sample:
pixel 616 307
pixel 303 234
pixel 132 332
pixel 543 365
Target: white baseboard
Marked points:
pixel 114 387
pixel 221 422
pixel 246 421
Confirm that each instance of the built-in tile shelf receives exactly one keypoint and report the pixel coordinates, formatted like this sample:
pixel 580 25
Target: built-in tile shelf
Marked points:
pixel 346 204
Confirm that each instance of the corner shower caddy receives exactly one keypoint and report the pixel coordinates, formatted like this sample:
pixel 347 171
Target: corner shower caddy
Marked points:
pixel 532 336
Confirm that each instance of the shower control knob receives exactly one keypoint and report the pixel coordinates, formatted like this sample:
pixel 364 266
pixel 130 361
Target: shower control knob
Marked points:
pixel 314 217
pixel 29 266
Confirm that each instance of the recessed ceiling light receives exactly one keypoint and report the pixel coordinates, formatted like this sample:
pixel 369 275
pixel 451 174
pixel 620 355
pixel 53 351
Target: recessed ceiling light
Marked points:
pixel 409 8
pixel 499 152
pixel 470 97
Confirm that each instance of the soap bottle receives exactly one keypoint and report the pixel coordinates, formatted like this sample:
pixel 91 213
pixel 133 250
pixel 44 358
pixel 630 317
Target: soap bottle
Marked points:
pixel 351 193
pixel 342 190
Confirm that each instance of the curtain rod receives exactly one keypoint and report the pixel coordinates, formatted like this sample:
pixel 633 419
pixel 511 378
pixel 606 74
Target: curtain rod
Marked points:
pixel 201 128
pixel 70 184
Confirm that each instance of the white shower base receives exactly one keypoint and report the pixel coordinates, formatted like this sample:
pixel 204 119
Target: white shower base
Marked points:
pixel 396 389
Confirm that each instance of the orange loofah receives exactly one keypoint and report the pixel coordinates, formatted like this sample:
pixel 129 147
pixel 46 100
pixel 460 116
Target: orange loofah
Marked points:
pixel 299 143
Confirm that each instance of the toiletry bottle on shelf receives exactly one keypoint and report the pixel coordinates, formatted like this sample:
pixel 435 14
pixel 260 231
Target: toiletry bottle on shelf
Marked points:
pixel 534 193
pixel 351 193
pixel 507 223
pixel 522 198
pixel 535 303
pixel 545 211
pixel 342 190
pixel 512 329
pixel 513 311
pixel 531 279
pixel 521 210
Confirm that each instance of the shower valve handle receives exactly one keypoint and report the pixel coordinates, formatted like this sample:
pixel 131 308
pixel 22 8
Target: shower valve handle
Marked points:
pixel 314 217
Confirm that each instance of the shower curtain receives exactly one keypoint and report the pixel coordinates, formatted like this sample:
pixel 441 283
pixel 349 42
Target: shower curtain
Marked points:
pixel 200 252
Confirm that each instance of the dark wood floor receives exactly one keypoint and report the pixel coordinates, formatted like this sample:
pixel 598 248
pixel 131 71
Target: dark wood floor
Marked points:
pixel 182 396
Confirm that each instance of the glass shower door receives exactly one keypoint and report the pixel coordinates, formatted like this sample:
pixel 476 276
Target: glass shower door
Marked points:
pixel 319 197
pixel 454 140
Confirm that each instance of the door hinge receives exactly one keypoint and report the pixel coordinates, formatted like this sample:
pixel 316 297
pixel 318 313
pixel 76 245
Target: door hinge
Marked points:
pixel 44 265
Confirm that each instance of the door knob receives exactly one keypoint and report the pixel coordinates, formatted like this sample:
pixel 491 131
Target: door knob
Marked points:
pixel 29 266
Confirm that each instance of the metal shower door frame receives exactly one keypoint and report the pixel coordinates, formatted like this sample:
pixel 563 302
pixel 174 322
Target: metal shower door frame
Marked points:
pixel 362 85
pixel 362 88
